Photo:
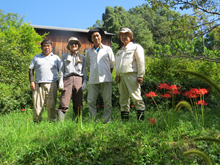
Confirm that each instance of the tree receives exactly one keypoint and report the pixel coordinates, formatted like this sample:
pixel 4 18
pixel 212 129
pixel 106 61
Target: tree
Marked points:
pixel 18 44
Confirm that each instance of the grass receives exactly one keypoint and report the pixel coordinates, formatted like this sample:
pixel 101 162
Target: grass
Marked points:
pixel 24 142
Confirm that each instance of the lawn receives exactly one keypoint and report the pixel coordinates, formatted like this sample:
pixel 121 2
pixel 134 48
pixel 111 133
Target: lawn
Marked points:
pixel 116 143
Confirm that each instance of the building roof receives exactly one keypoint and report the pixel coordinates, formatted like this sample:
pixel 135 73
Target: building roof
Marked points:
pixel 66 29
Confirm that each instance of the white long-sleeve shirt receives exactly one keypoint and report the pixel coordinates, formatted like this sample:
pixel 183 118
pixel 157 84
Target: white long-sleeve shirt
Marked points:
pixel 73 65
pixel 100 64
pixel 130 59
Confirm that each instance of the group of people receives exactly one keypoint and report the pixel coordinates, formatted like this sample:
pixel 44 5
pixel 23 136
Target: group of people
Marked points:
pixel 72 78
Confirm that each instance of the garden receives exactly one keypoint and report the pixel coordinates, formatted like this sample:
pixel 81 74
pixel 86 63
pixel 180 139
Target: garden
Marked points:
pixel 181 92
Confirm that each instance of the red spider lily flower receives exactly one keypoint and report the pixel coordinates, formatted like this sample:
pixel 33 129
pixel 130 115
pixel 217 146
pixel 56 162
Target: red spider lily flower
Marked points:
pixel 173 87
pixel 174 92
pixel 202 102
pixel 132 106
pixel 23 110
pixel 102 105
pixel 191 93
pixel 152 102
pixel 193 90
pixel 97 106
pixel 153 121
pixel 81 106
pixel 162 86
pixel 166 95
pixel 186 94
pixel 150 94
pixel 202 91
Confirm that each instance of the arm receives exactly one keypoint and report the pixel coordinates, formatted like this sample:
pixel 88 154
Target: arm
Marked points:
pixel 61 72
pixel 139 56
pixel 31 78
pixel 87 61
pixel 112 60
pixel 84 71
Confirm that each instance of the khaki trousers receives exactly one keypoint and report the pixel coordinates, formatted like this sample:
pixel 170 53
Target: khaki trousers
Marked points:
pixel 105 89
pixel 128 87
pixel 45 93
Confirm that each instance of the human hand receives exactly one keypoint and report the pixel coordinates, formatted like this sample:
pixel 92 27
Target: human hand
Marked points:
pixel 84 86
pixel 61 85
pixel 139 80
pixel 32 86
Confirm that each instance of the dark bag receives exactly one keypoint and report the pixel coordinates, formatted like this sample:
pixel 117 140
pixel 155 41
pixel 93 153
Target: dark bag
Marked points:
pixel 117 78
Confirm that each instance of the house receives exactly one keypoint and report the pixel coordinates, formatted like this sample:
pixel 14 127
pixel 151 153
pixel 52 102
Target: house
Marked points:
pixel 59 38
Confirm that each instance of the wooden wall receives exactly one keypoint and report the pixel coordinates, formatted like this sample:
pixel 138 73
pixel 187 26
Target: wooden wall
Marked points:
pixel 59 39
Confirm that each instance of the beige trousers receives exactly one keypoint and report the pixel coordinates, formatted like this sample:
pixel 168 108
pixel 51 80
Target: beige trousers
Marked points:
pixel 105 89
pixel 45 93
pixel 128 87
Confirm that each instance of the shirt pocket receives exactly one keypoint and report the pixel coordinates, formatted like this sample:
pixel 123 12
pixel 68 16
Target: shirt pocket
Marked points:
pixel 128 57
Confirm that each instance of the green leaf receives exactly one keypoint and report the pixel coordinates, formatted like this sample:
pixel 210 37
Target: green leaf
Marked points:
pixel 183 103
pixel 199 153
pixel 203 78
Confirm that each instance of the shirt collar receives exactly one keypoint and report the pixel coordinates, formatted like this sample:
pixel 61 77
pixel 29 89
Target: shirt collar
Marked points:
pixel 101 46
pixel 48 55
pixel 130 43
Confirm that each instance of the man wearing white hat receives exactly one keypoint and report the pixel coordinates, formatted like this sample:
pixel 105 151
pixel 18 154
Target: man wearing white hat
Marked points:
pixel 73 78
pixel 130 66
pixel 100 61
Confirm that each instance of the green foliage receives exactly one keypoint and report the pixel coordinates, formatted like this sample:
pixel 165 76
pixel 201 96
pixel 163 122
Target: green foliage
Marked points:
pixel 204 78
pixel 200 153
pixel 18 44
pixel 183 103
pixel 113 143
pixel 14 98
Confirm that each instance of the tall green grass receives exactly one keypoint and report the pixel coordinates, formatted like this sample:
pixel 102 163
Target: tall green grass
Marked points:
pixel 24 142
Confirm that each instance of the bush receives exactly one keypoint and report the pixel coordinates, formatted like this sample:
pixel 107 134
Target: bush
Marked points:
pixel 14 98
pixel 18 44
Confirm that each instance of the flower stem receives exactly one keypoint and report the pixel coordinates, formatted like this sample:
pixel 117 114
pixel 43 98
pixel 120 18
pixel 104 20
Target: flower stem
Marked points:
pixel 160 112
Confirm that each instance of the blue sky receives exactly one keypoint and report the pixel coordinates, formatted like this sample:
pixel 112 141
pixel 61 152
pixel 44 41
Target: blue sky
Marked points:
pixel 64 13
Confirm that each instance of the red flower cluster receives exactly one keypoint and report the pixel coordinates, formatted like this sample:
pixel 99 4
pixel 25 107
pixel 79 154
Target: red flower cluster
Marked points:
pixel 194 92
pixel 97 106
pixel 166 95
pixel 153 121
pixel 201 102
pixel 132 106
pixel 150 94
pixel 22 110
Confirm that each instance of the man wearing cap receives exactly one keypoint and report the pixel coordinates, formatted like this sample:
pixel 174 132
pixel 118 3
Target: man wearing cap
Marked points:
pixel 73 78
pixel 44 88
pixel 130 66
pixel 100 61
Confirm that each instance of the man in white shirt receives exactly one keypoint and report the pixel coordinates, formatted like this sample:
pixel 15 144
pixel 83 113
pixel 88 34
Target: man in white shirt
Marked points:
pixel 44 88
pixel 130 65
pixel 100 62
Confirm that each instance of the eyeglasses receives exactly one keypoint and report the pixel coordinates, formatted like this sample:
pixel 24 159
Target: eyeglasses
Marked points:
pixel 74 42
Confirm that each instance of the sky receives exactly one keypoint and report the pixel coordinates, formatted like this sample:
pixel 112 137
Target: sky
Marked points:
pixel 77 14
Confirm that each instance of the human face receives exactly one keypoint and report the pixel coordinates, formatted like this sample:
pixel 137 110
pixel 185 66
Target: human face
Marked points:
pixel 73 46
pixel 125 38
pixel 46 49
pixel 96 38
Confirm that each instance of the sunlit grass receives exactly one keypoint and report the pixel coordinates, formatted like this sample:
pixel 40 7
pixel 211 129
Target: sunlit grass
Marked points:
pixel 25 142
